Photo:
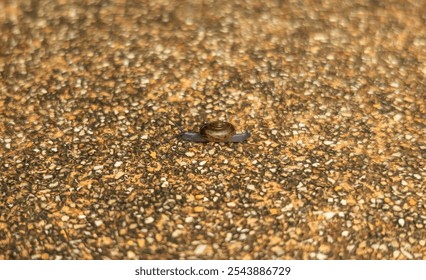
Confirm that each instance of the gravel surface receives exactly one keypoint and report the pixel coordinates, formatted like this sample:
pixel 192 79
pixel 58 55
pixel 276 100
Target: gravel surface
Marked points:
pixel 333 95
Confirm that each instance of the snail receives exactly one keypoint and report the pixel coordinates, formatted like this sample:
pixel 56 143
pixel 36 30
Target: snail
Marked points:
pixel 217 131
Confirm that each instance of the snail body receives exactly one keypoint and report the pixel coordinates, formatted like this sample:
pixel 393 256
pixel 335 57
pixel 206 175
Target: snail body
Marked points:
pixel 216 131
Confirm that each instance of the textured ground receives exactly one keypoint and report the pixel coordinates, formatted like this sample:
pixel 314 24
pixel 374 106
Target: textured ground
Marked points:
pixel 333 93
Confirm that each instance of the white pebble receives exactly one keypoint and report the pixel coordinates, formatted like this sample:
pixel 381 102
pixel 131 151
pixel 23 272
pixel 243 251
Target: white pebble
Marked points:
pixel 176 233
pixel 329 215
pixel 118 164
pixel 401 222
pixel 149 220
pixel 189 154
pixel 407 254
pixel 397 117
pixel 200 249
pixel 98 223
pixel 396 253
pixel 417 176
pixel 251 187
pixel 98 167
pixel 321 256
pixel 189 220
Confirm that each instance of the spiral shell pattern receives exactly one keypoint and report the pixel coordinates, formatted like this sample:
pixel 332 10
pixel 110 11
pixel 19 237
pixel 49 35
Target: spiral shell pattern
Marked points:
pixel 217 131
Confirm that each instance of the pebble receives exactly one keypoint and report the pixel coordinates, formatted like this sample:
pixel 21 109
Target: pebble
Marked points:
pixel 119 175
pixel 189 220
pixel 98 167
pixel 329 215
pixel 199 250
pixel 397 117
pixel 198 209
pixel 396 254
pixel 321 256
pixel 149 220
pixel 407 254
pixel 176 233
pixel 231 204
pixel 189 154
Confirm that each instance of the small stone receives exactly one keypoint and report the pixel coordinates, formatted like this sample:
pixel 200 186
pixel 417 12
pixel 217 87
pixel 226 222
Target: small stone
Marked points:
pixel 396 253
pixel 141 242
pixel 176 233
pixel 328 143
pixel 251 187
pixel 98 223
pixel 131 255
pixel 325 248
pixel 55 184
pixel 331 180
pixel 397 117
pixel 98 167
pixel 189 220
pixel 407 254
pixel 189 154
pixel 202 163
pixel 329 215
pixel 119 175
pixel 401 222
pixel 321 256
pixel 200 249
pixel 118 164
pixel 198 209
pixel 231 204
pixel 149 220
pixel 65 218
pixel 153 155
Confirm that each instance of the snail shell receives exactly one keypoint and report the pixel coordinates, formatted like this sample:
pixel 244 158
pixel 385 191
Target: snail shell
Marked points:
pixel 217 131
